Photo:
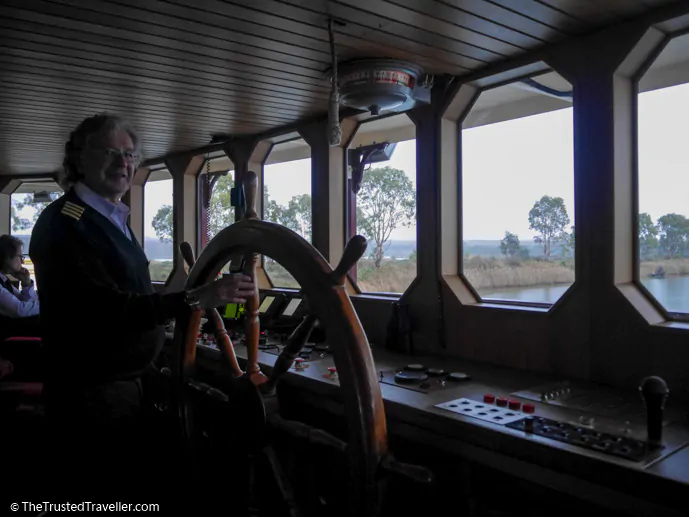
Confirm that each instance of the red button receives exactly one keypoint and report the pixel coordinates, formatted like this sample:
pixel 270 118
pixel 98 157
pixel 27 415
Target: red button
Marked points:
pixel 515 404
pixel 489 398
pixel 502 401
pixel 528 408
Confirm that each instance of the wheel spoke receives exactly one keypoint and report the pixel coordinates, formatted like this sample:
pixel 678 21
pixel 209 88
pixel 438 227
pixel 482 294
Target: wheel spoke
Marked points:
pixel 252 329
pixel 221 335
pixel 306 432
pixel 282 482
pixel 294 344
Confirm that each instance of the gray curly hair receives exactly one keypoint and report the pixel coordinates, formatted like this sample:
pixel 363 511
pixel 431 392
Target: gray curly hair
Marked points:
pixel 101 124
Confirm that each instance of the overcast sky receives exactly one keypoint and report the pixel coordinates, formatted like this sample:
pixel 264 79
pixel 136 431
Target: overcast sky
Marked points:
pixel 664 151
pixel 508 166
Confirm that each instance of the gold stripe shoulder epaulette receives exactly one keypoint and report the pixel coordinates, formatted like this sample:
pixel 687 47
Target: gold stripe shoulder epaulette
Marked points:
pixel 73 210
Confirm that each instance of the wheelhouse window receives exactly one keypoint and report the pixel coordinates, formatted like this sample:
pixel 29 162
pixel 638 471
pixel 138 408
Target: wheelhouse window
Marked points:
pixel 382 203
pixel 518 191
pixel 287 198
pixel 159 224
pixel 220 211
pixel 663 179
pixel 215 185
pixel 26 205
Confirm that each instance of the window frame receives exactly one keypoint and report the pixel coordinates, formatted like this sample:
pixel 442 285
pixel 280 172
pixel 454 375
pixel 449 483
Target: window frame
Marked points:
pixel 481 86
pixel 175 244
pixel 202 212
pixel 350 208
pixel 13 190
pixel 636 77
pixel 291 137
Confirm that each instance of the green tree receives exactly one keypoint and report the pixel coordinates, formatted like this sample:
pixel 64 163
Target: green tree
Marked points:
pixel 162 223
pixel 674 234
pixel 297 215
pixel 271 210
pixel 220 209
pixel 566 240
pixel 21 223
pixel 385 201
pixel 18 223
pixel 510 244
pixel 548 217
pixel 648 236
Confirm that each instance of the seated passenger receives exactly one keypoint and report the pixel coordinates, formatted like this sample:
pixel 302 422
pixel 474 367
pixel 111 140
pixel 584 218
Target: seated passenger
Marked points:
pixel 14 303
pixel 103 323
pixel 18 311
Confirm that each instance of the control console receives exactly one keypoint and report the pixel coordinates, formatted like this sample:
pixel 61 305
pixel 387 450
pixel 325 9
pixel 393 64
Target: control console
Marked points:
pixel 517 415
pixel 624 447
pixel 483 411
pixel 309 352
pixel 418 377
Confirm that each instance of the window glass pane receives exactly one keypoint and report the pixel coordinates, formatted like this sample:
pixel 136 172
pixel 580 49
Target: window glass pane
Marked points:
pixel 26 204
pixel 663 132
pixel 287 198
pixel 386 216
pixel 221 211
pixel 158 225
pixel 518 191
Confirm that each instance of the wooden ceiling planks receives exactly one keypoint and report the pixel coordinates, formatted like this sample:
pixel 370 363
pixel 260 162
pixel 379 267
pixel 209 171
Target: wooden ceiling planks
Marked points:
pixel 457 12
pixel 144 35
pixel 350 43
pixel 595 11
pixel 449 18
pixel 107 46
pixel 183 71
pixel 377 18
pixel 544 13
pixel 115 100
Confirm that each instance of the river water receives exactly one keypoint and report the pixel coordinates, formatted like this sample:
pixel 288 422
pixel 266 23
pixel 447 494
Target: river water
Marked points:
pixel 672 292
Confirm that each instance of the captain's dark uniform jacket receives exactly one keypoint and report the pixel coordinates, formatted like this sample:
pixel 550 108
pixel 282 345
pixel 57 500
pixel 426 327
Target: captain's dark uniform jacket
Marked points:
pixel 102 326
pixel 101 319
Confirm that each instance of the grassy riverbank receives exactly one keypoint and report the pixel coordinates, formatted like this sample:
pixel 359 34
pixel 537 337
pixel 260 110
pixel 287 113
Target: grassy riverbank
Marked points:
pixel 484 273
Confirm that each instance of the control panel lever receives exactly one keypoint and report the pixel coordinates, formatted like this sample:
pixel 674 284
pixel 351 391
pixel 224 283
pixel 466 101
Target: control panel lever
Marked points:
pixel 654 392
pixel 294 344
pixel 354 250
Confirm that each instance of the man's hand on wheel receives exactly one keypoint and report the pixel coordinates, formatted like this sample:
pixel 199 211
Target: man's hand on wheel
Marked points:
pixel 229 289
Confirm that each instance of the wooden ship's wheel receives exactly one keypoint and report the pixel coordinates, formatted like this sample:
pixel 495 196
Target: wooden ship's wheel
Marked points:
pixel 323 287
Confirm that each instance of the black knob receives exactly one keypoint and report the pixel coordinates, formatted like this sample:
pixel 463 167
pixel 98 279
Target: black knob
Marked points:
pixel 654 392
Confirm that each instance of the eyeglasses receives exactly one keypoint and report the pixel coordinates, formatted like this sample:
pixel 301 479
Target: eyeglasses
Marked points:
pixel 111 154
